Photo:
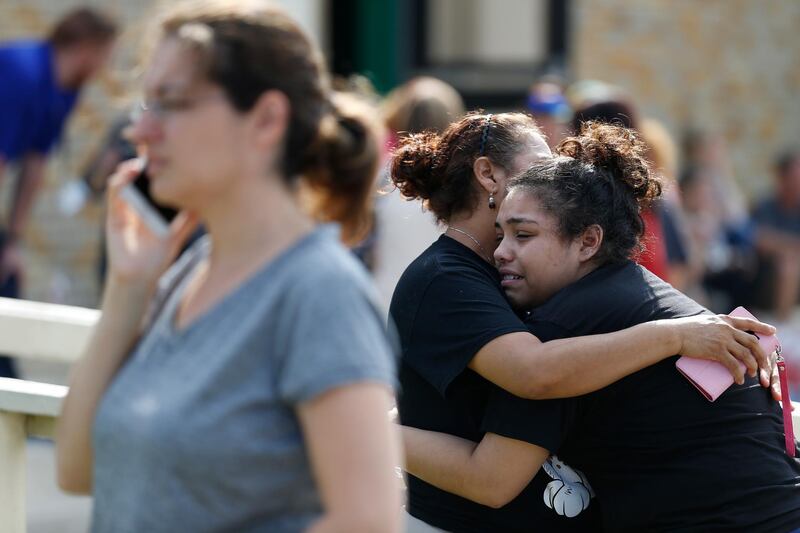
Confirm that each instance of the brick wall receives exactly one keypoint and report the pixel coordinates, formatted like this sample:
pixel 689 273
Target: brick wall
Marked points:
pixel 733 65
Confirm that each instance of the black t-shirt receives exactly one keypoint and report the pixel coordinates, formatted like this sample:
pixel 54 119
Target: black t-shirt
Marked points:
pixel 658 454
pixel 448 305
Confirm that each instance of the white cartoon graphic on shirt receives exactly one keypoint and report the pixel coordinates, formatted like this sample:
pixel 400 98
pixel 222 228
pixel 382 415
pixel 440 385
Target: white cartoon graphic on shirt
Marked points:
pixel 569 493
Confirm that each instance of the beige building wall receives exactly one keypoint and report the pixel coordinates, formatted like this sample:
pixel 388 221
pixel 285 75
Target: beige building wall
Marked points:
pixel 729 65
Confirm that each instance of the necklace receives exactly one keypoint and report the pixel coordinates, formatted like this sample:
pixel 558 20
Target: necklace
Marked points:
pixel 485 255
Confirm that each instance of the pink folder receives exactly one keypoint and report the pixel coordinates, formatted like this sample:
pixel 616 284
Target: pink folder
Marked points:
pixel 712 378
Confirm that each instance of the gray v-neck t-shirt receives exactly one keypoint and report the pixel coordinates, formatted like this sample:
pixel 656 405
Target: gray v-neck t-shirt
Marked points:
pixel 198 431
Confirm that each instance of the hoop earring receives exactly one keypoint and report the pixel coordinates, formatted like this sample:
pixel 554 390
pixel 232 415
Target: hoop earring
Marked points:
pixel 492 203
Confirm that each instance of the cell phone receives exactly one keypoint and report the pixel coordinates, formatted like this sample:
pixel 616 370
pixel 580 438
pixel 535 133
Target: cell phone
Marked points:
pixel 157 216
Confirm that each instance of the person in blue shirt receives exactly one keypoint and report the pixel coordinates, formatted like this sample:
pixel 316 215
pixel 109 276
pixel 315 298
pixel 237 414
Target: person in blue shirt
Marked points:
pixel 41 81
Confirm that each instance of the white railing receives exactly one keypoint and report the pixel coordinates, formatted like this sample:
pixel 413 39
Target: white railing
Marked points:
pixel 33 330
pixel 27 409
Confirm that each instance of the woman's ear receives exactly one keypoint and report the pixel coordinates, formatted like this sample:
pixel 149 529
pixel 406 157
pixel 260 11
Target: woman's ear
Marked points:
pixel 484 173
pixel 590 241
pixel 269 118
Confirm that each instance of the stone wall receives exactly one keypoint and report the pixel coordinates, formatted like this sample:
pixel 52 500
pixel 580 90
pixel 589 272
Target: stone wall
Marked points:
pixel 729 65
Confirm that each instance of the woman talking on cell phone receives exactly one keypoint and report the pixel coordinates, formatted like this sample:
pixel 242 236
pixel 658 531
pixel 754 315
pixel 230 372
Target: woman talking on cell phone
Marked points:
pixel 246 387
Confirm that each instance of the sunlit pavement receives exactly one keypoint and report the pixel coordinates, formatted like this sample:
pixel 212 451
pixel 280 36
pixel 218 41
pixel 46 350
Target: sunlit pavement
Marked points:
pixel 50 510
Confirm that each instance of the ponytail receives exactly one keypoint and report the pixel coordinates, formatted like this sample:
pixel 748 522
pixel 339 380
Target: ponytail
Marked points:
pixel 341 166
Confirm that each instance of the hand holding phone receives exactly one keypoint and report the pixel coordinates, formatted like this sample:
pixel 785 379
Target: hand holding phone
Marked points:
pixel 141 244
pixel 137 194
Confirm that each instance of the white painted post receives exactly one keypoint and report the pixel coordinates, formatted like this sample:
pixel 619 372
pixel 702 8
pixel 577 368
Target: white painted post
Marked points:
pixel 12 472
pixel 25 408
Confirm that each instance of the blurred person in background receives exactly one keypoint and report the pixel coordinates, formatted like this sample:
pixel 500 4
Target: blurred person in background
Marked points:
pixel 684 271
pixel 665 253
pixel 662 154
pixel 720 229
pixel 115 148
pixel 615 108
pixel 708 151
pixel 420 104
pixel 721 246
pixel 41 83
pixel 404 230
pixel 548 106
pixel 246 387
pixel 777 236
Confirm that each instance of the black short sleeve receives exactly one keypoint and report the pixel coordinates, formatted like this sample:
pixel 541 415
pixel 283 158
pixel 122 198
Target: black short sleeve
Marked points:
pixel 448 305
pixel 546 330
pixel 544 423
pixel 459 314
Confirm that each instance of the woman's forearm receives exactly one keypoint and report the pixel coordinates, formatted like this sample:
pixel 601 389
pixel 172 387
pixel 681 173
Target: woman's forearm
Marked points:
pixel 563 368
pixel 353 450
pixel 440 459
pixel 123 307
pixel 580 365
pixel 492 472
pixel 574 366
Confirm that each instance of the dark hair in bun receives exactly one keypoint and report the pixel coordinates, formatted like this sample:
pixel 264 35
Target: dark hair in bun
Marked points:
pixel 437 168
pixel 600 176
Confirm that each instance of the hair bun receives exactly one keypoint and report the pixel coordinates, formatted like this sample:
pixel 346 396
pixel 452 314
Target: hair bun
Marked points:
pixel 414 169
pixel 620 152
